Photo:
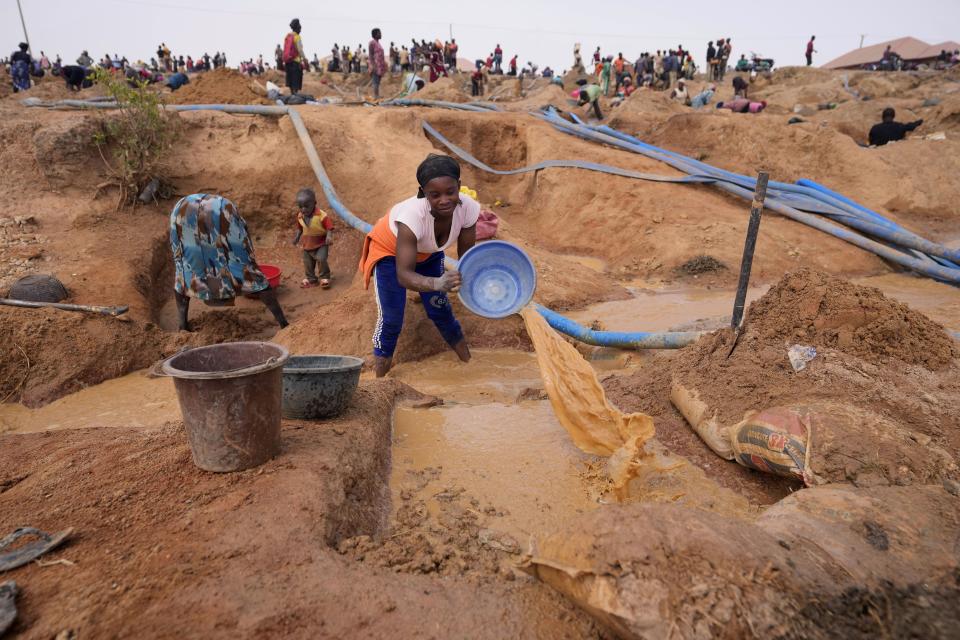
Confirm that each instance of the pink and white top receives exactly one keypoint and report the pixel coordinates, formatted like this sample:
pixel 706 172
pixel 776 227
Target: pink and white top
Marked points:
pixel 415 214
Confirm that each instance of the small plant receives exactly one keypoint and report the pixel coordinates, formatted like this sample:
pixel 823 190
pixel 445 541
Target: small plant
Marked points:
pixel 138 136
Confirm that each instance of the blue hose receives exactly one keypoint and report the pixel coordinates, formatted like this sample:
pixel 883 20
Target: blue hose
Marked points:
pixel 811 196
pixel 833 194
pixel 360 225
pixel 945 256
pixel 546 164
pixel 491 106
pixel 617 339
pixel 415 102
pixel 740 185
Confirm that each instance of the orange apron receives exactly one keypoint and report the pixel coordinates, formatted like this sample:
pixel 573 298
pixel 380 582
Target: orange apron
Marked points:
pixel 380 243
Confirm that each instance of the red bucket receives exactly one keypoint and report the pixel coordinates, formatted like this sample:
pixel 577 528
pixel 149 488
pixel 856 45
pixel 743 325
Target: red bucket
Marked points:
pixel 272 274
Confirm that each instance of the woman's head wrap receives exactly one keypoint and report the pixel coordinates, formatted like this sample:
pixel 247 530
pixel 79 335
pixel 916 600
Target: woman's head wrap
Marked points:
pixel 436 166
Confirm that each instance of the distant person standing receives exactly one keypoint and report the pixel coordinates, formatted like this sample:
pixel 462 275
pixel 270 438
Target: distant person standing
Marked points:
pixel 618 65
pixel 278 56
pixel 725 52
pixel 890 131
pixel 294 59
pixel 477 80
pixel 378 65
pixel 606 71
pixel 20 62
pixel 810 50
pixel 711 61
pixel 454 50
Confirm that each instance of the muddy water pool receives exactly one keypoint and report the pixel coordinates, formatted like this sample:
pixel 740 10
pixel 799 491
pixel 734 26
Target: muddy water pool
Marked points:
pixel 133 400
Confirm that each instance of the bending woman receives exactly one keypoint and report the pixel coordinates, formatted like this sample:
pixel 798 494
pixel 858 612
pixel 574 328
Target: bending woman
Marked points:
pixel 213 257
pixel 404 251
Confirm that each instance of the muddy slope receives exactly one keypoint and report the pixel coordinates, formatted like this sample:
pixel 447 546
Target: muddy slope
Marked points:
pixel 165 550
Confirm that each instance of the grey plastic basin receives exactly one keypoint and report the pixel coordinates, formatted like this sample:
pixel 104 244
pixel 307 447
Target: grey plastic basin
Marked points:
pixel 319 386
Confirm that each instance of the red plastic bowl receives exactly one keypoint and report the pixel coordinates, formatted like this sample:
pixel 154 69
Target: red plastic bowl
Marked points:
pixel 272 274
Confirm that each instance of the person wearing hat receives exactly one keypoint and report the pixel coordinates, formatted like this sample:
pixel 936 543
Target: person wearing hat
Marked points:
pixel 405 251
pixel 294 59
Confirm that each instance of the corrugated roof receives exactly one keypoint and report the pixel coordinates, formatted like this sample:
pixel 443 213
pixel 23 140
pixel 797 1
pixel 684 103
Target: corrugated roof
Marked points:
pixel 907 48
pixel 934 50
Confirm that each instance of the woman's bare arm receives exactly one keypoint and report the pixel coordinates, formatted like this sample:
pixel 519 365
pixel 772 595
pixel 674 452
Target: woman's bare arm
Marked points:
pixel 407 261
pixel 466 239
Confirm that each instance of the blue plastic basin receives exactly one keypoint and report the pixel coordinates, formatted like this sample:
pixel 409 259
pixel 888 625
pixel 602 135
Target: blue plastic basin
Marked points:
pixel 498 279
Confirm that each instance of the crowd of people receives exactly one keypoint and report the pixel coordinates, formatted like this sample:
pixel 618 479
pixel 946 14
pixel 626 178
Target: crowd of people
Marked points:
pixel 164 68
pixel 425 61
pixel 664 69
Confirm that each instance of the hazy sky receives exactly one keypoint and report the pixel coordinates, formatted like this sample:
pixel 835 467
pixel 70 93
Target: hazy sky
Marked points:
pixel 539 30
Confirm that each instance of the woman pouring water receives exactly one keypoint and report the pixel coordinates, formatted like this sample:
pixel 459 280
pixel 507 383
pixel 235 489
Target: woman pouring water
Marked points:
pixel 405 251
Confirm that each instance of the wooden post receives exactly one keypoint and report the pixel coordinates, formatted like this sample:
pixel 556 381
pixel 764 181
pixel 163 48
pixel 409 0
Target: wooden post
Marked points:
pixel 753 228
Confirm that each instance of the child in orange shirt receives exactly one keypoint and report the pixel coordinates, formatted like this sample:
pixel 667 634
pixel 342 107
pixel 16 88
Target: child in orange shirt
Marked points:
pixel 314 235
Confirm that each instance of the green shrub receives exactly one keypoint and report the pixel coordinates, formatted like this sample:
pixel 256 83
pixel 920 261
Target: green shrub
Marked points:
pixel 136 137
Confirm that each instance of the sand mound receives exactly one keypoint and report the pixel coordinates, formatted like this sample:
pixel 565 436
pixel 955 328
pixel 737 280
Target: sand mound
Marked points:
pixel 944 116
pixel 32 365
pixel 220 86
pixel 447 89
pixel 886 378
pixel 872 352
pixel 816 309
pixel 547 95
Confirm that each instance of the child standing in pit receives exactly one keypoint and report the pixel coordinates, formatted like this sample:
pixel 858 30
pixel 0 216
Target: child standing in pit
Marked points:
pixel 314 235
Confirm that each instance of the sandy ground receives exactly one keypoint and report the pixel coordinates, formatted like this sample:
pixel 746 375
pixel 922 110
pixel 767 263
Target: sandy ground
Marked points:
pixel 331 539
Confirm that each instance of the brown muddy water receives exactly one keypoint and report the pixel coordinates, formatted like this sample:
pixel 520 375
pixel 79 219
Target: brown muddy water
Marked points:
pixel 485 437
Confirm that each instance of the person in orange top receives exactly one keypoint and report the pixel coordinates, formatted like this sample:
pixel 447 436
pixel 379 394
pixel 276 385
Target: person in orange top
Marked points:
pixel 314 235
pixel 618 68
pixel 405 252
